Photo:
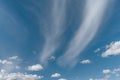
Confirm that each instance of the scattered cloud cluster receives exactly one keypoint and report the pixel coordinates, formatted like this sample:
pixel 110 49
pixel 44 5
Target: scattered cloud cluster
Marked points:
pixel 87 61
pixel 8 61
pixel 5 62
pixel 18 76
pixel 11 75
pixel 108 74
pixel 112 49
pixel 9 64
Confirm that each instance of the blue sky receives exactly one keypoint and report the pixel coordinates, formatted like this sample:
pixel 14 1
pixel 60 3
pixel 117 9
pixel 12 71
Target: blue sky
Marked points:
pixel 59 39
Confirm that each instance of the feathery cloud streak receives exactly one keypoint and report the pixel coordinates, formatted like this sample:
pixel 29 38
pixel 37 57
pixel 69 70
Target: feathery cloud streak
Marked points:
pixel 55 29
pixel 93 14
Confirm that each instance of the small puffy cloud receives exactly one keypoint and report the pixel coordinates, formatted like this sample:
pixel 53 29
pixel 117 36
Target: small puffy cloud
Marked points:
pixel 106 71
pixel 36 67
pixel 97 50
pixel 13 57
pixel 5 62
pixel 90 79
pixel 55 75
pixel 18 76
pixel 62 79
pixel 112 49
pixel 87 61
pixel 17 67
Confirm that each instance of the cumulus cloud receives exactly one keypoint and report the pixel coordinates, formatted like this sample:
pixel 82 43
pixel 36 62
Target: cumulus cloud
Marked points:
pixel 10 64
pixel 87 61
pixel 56 75
pixel 112 49
pixel 36 67
pixel 18 76
pixel 93 15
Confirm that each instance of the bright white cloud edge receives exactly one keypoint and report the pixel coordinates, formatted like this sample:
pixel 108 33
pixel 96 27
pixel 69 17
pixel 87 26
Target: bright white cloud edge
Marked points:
pixel 36 67
pixel 56 75
pixel 112 49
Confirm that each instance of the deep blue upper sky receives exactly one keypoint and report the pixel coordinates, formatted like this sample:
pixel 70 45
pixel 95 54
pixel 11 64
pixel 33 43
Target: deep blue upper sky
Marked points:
pixel 60 39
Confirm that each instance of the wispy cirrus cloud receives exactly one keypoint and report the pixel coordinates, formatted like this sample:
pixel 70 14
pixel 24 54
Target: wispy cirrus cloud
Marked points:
pixel 93 15
pixel 53 31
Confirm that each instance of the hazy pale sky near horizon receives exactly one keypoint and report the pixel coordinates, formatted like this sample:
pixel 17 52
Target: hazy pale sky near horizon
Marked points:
pixel 59 39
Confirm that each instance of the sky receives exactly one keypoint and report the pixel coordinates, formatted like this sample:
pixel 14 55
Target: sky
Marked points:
pixel 59 40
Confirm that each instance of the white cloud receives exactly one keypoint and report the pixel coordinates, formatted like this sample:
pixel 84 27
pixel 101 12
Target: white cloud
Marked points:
pixel 93 15
pixel 55 75
pixel 115 71
pixel 108 74
pixel 18 76
pixel 106 71
pixel 36 67
pixel 10 64
pixel 17 67
pixel 97 50
pixel 112 49
pixel 5 62
pixel 13 57
pixel 90 79
pixel 87 61
pixel 8 61
pixel 62 79
pixel 106 77
pixel 53 31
